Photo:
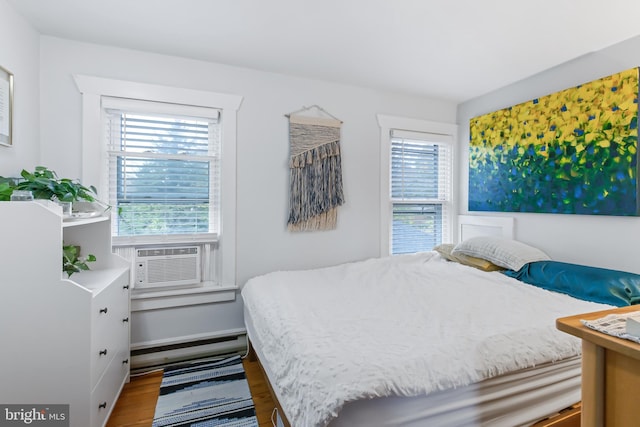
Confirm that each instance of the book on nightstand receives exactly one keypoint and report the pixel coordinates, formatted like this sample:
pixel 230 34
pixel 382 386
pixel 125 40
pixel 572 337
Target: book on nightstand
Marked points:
pixel 633 326
pixel 625 325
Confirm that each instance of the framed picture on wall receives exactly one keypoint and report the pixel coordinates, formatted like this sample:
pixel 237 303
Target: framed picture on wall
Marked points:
pixel 6 107
pixel 570 152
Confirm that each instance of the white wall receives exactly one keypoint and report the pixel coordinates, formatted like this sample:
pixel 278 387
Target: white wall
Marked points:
pixel 610 242
pixel 263 244
pixel 19 53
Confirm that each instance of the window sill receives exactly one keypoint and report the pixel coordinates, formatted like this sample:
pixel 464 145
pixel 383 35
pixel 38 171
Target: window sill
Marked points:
pixel 142 300
pixel 164 239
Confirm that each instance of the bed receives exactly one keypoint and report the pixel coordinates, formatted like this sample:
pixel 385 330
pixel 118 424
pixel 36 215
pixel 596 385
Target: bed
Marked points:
pixel 417 340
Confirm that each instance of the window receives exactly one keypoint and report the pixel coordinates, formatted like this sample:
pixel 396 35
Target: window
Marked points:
pixel 420 191
pixel 417 186
pixel 163 168
pixel 166 157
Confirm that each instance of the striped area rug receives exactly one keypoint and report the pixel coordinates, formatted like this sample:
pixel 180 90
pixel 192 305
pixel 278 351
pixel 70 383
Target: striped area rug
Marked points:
pixel 205 394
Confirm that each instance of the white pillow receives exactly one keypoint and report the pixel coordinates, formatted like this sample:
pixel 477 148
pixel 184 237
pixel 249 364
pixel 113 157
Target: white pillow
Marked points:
pixel 506 253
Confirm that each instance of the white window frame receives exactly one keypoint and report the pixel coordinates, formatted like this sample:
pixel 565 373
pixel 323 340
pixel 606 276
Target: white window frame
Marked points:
pixel 388 123
pixel 94 160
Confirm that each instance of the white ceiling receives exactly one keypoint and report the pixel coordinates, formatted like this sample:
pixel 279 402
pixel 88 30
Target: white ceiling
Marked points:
pixel 449 49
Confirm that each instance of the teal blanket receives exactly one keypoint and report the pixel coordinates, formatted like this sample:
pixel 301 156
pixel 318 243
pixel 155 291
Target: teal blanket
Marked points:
pixel 618 288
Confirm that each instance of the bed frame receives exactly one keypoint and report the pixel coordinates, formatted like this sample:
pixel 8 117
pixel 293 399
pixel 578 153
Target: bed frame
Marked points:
pixel 278 412
pixel 468 226
pixel 473 226
pixel 569 417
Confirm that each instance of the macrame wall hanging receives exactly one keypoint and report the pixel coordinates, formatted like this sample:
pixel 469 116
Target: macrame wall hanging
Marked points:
pixel 315 170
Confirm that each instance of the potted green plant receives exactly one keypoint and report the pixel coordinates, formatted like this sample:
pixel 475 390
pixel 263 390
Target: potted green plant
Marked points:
pixel 72 262
pixel 45 184
pixel 6 188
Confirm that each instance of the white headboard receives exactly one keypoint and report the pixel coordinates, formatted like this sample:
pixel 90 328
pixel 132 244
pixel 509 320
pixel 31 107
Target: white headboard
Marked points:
pixel 473 226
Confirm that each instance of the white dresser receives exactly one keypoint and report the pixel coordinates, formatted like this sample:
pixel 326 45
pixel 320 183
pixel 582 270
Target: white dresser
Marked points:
pixel 62 341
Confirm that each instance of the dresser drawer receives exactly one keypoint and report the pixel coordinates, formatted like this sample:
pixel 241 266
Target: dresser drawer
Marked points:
pixel 109 347
pixel 110 327
pixel 105 394
pixel 111 303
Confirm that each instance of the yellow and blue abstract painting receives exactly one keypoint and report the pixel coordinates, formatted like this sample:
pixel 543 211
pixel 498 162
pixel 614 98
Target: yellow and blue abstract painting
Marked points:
pixel 571 152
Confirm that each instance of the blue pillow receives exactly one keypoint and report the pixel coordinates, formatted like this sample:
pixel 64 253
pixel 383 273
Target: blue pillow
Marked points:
pixel 593 284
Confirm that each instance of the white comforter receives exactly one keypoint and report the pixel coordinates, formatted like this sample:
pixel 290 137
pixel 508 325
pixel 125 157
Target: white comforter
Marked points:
pixel 404 325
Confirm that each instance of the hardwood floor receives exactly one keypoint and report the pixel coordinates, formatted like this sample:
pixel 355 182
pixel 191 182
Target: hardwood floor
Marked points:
pixel 137 403
pixel 259 392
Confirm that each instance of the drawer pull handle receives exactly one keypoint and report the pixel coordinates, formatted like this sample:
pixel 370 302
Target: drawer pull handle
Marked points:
pixel 103 405
pixel 126 319
pixel 125 287
pixel 125 361
pixel 104 310
pixel 103 352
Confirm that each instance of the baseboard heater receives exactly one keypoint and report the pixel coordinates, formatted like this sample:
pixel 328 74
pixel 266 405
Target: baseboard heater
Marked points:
pixel 148 358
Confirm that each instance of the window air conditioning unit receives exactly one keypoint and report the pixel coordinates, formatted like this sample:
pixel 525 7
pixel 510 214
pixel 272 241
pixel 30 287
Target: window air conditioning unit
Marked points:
pixel 169 266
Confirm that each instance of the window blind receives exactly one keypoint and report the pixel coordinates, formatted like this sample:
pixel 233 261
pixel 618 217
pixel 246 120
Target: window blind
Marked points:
pixel 163 168
pixel 420 190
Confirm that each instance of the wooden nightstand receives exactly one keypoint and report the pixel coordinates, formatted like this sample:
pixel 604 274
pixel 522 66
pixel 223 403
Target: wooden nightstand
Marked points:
pixel 610 373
